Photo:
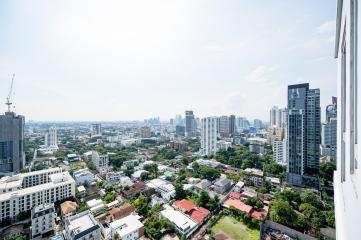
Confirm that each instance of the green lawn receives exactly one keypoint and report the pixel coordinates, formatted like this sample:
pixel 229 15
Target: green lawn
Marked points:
pixel 235 229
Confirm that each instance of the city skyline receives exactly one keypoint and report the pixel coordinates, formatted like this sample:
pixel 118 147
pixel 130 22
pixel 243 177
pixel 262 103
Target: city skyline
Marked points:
pixel 209 58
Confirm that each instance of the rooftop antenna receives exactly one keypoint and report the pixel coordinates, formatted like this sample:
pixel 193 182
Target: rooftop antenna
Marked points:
pixel 8 98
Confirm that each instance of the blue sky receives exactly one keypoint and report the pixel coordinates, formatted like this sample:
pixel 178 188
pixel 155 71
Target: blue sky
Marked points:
pixel 125 60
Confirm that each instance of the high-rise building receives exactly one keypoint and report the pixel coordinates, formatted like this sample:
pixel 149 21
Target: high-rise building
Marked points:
pixel 190 124
pixel 280 151
pixel 329 132
pixel 96 130
pixel 274 116
pixel 145 132
pixel 257 123
pixel 51 138
pixel 303 135
pixel 278 116
pixel 232 125
pixel 12 155
pixel 347 178
pixel 180 130
pixel 209 135
pixel 242 123
pixel 223 126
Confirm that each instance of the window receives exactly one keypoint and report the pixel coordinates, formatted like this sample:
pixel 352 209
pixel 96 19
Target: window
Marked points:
pixel 343 106
pixel 353 86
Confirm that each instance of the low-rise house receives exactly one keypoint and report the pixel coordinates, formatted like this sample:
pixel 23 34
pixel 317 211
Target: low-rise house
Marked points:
pixel 222 185
pixel 68 208
pixel 113 177
pixel 275 182
pixel 165 188
pixel 198 214
pixel 81 226
pixel 254 180
pixel 181 222
pixel 118 213
pixel 137 174
pixel 72 157
pixel 42 220
pixel 125 181
pixel 156 201
pixel 127 228
pixel 210 163
pixel 239 186
pixel 193 180
pixel 95 205
pixel 203 184
pixel 83 176
pixel 137 188
pixel 82 191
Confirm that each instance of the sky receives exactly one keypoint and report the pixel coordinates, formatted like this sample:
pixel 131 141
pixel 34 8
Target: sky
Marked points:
pixel 78 60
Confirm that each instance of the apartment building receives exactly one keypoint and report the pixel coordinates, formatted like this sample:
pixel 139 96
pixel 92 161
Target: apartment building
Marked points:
pixel 21 192
pixel 42 220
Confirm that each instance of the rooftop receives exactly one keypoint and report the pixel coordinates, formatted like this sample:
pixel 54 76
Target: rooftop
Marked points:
pixel 238 204
pixel 81 222
pixel 126 225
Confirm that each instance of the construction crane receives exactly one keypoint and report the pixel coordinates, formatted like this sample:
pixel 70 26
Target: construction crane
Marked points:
pixel 8 98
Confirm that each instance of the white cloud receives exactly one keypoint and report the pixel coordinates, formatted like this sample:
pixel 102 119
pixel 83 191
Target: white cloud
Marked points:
pixel 261 74
pixel 327 27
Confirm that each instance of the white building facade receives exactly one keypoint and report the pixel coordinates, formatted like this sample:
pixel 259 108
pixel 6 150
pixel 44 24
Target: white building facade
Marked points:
pixel 42 220
pixel 51 138
pixel 100 161
pixel 280 151
pixel 209 136
pixel 347 178
pixel 22 192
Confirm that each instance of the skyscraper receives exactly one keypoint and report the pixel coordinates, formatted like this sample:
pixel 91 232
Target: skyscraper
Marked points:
pixel 223 126
pixel 232 125
pixel 329 132
pixel 12 155
pixel 51 138
pixel 274 116
pixel 347 177
pixel 96 130
pixel 303 135
pixel 209 135
pixel 190 124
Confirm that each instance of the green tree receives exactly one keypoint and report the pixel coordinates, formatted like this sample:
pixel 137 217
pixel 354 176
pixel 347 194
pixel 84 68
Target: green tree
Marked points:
pixel 282 212
pixel 180 193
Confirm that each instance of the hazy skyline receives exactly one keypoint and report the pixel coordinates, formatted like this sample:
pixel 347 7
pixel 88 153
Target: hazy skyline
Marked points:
pixel 128 60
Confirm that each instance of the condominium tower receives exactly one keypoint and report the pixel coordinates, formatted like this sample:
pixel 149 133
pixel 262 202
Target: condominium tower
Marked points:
pixel 12 155
pixel 190 124
pixel 303 135
pixel 209 135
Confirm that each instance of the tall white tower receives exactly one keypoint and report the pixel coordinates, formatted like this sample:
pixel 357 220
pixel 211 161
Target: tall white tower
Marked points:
pixel 209 135
pixel 51 138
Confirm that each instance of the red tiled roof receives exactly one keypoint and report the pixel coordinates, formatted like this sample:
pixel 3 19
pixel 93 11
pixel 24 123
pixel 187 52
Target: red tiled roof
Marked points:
pixel 258 214
pixel 198 214
pixel 125 210
pixel 235 195
pixel 239 205
pixel 184 205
